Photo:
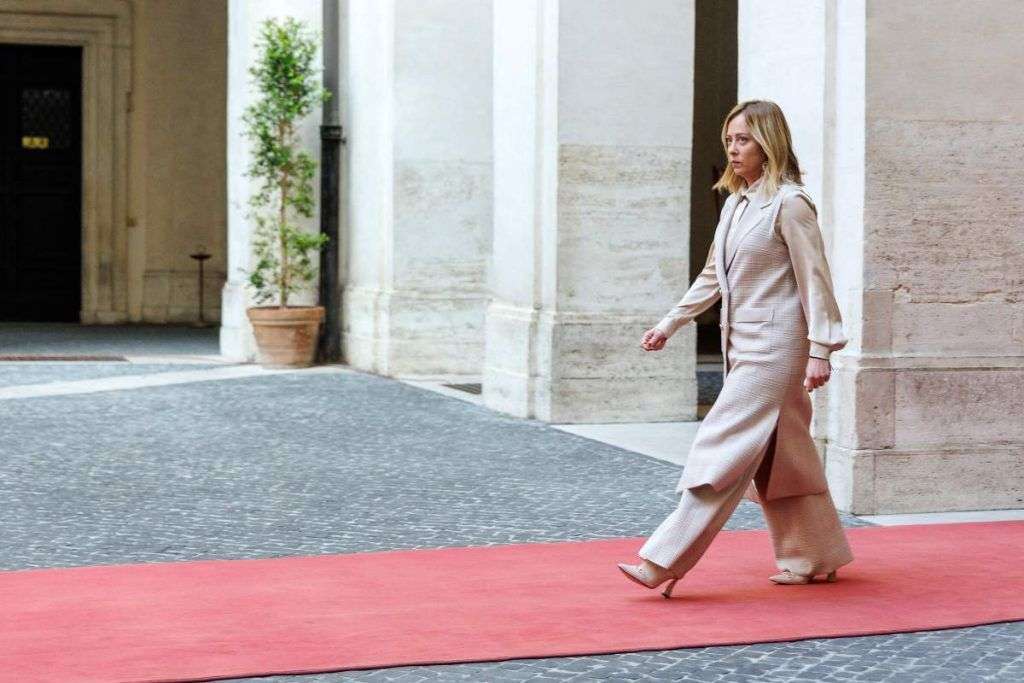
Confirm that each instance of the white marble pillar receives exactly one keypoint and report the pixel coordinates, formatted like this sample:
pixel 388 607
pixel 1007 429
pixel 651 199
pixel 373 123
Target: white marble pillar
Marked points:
pixel 922 128
pixel 417 110
pixel 592 144
pixel 244 19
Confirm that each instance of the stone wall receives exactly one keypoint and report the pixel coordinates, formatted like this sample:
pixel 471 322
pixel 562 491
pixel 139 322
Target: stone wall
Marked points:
pixel 417 99
pixel 179 167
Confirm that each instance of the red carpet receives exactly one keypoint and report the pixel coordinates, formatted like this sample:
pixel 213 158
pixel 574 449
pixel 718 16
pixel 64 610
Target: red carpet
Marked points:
pixel 232 618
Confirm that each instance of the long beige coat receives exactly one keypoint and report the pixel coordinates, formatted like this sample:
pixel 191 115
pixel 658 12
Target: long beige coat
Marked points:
pixel 778 308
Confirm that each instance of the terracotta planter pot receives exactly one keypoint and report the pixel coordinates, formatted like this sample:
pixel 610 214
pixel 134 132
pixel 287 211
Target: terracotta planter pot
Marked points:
pixel 286 337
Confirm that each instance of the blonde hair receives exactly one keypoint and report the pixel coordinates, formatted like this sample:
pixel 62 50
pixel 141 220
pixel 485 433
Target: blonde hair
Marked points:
pixel 769 129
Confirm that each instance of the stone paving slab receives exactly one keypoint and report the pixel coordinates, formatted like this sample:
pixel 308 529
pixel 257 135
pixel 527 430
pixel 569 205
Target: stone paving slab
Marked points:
pixel 295 464
pixel 72 338
pixel 20 374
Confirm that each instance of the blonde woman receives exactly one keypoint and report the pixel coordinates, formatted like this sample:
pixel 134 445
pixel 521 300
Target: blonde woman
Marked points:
pixel 779 323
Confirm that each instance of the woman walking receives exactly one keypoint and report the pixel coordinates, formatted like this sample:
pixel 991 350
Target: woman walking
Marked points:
pixel 779 323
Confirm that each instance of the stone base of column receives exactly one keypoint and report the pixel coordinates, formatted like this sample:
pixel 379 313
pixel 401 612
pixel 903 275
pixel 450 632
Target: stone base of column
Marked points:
pixel 403 334
pixel 102 317
pixel 236 339
pixel 925 433
pixel 579 368
pixel 888 481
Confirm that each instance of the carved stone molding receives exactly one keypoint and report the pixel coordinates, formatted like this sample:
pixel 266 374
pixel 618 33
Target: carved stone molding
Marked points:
pixel 103 28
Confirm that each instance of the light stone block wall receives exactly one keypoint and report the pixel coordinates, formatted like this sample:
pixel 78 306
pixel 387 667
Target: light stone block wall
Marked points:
pixel 367 109
pixel 943 258
pixel 418 112
pixel 593 124
pixel 179 169
pixel 921 117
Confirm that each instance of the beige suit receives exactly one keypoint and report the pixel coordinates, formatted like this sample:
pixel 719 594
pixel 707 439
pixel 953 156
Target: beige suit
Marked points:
pixel 778 308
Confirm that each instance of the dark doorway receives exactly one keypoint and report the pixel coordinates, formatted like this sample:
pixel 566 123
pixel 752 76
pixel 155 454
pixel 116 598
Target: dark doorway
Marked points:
pixel 40 183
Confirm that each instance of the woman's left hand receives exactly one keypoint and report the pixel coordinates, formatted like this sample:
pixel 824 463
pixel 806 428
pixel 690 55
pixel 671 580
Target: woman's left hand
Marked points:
pixel 818 372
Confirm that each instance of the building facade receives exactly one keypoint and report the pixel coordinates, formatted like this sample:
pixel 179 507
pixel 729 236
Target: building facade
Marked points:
pixel 525 190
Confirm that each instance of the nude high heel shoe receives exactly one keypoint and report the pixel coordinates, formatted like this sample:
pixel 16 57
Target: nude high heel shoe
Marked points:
pixel 650 575
pixel 789 578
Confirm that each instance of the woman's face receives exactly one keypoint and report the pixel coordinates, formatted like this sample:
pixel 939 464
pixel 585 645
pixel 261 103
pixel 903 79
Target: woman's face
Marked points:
pixel 744 153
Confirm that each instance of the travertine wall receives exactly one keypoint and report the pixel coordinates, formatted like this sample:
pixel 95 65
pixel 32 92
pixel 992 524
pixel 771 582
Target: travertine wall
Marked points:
pixel 593 127
pixel 417 109
pixel 935 416
pixel 178 183
pixel 916 125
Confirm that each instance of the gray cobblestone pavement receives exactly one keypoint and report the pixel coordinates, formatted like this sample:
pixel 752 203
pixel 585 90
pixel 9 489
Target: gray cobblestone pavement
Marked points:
pixel 983 653
pixel 329 463
pixel 17 374
pixel 71 338
pixel 709 385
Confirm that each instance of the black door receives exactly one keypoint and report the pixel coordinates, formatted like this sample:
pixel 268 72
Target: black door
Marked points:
pixel 40 182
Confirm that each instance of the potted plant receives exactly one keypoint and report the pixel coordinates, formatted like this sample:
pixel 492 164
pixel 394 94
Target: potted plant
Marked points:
pixel 286 336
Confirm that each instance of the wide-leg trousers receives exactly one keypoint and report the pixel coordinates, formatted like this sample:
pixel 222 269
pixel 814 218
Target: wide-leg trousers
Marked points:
pixel 807 536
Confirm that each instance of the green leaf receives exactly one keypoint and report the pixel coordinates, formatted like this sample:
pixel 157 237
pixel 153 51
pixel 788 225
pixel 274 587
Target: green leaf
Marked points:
pixel 288 89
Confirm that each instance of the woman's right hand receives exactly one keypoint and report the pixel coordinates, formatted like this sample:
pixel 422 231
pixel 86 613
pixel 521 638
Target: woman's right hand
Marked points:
pixel 653 340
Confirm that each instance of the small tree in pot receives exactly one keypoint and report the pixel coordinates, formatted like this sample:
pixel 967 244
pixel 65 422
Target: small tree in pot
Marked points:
pixel 288 91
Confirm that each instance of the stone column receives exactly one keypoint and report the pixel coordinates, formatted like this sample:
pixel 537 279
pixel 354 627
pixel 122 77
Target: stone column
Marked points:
pixel 932 400
pixel 922 128
pixel 244 19
pixel 417 109
pixel 592 143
